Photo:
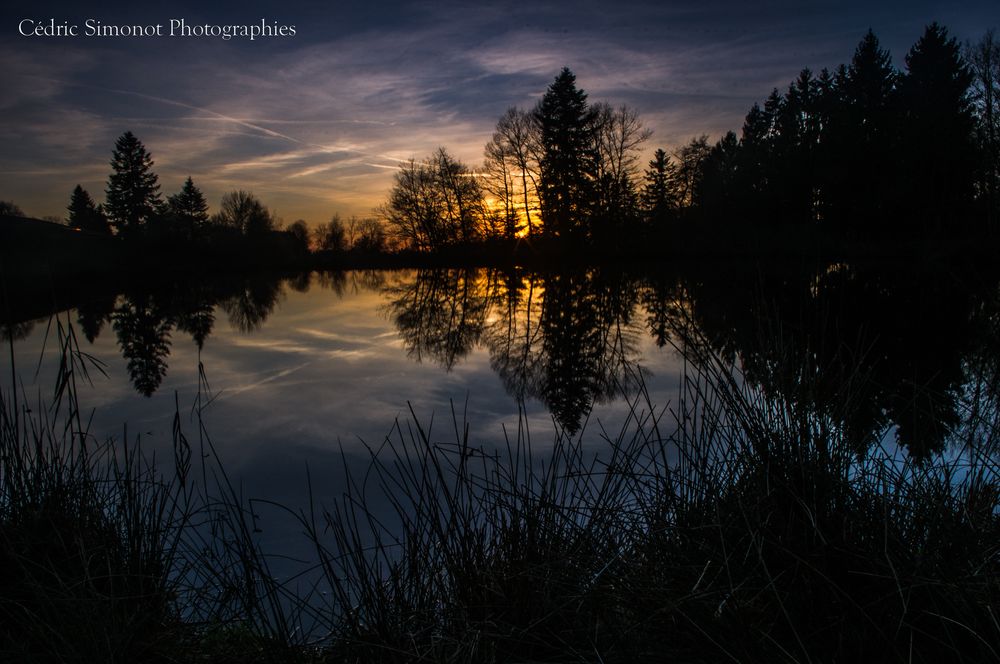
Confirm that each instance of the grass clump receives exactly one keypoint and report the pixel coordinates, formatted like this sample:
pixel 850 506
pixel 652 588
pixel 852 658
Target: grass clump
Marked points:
pixel 108 556
pixel 88 534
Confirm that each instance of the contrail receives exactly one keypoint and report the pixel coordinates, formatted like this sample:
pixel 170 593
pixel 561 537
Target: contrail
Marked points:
pixel 172 102
pixel 222 116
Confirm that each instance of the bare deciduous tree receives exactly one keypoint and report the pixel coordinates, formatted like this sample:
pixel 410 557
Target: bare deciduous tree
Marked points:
pixel 331 236
pixel 435 203
pixel 243 211
pixel 516 140
pixel 618 135
pixel 984 61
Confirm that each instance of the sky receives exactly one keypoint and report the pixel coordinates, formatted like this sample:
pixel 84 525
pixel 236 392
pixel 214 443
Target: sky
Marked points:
pixel 317 122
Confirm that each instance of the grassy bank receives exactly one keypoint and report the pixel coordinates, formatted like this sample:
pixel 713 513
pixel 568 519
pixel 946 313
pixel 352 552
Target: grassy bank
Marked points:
pixel 732 526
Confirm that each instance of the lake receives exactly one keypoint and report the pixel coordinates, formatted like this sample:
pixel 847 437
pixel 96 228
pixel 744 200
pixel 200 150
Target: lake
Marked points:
pixel 305 371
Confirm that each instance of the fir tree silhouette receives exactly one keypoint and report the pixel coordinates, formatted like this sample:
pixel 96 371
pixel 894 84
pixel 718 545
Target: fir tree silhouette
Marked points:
pixel 133 193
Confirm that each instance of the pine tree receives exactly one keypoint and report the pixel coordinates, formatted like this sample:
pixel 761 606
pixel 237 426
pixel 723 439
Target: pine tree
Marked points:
pixel 716 191
pixel 938 124
pixel 84 214
pixel 189 209
pixel 659 198
pixel 871 81
pixel 866 138
pixel 798 134
pixel 133 193
pixel 568 157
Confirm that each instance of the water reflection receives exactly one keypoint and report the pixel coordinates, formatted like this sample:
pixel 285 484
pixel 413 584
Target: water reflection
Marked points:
pixel 567 340
pixel 441 314
pixel 145 319
pixel 866 346
pixel 251 303
pixel 143 330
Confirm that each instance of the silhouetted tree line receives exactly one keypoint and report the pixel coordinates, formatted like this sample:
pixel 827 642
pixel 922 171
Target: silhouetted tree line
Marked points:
pixel 135 211
pixel 866 149
pixel 862 150
pixel 10 208
pixel 363 235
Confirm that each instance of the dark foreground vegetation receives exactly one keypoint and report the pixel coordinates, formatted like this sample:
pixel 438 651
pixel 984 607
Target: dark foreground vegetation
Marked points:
pixel 739 524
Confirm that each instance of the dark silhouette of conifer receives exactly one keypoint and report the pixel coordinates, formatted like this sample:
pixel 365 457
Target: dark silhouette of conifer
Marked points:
pixel 189 209
pixel 133 194
pixel 659 198
pixel 864 166
pixel 798 128
pixel 938 125
pixel 871 81
pixel 567 163
pixel 84 214
pixel 716 189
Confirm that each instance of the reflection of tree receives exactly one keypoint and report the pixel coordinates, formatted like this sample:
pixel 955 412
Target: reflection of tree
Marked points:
pixel 253 302
pixel 904 332
pixel 144 339
pixel 617 299
pixel 198 319
pixel 441 313
pixel 572 349
pixel 335 281
pixel 668 307
pixel 144 321
pixel 588 343
pixel 300 282
pixel 868 347
pixel 16 331
pixel 980 399
pixel 92 315
pixel 566 340
pixel 515 337
pixel 368 279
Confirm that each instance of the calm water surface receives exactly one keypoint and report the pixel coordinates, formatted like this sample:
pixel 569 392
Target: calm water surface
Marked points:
pixel 300 369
